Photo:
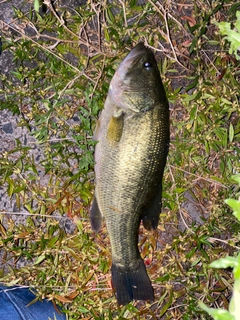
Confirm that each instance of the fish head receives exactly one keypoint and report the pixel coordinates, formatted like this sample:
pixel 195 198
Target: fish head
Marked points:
pixel 137 85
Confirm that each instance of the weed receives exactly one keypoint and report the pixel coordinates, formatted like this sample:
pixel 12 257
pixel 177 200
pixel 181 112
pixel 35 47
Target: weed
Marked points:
pixel 232 262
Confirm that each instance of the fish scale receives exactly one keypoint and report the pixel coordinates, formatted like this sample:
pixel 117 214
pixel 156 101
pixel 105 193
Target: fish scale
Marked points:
pixel 130 156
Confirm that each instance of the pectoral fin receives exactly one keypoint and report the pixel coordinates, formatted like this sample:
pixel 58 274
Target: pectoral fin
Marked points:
pixel 115 127
pixel 95 216
pixel 150 216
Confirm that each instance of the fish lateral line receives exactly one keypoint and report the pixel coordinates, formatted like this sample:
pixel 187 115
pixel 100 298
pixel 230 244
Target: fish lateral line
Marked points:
pixel 115 209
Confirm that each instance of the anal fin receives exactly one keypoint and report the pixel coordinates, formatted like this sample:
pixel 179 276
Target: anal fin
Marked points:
pixel 95 216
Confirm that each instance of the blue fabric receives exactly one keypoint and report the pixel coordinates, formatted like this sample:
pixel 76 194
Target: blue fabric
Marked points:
pixel 14 301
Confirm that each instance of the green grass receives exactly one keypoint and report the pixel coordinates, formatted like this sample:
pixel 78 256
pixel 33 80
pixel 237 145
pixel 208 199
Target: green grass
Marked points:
pixel 229 262
pixel 63 65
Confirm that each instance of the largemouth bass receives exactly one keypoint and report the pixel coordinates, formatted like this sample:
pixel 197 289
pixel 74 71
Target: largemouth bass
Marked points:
pixel 130 156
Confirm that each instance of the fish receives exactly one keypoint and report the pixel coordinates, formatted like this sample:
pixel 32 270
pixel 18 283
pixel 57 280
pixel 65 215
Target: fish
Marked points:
pixel 132 136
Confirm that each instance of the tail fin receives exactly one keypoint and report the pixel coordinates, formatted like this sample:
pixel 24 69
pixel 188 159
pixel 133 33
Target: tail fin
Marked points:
pixel 132 284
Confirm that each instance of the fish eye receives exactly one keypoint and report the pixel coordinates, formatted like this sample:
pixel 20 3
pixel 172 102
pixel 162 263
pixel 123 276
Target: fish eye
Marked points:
pixel 147 65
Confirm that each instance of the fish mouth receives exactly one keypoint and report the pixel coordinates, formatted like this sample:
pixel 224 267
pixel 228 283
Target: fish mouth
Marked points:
pixel 132 58
pixel 137 51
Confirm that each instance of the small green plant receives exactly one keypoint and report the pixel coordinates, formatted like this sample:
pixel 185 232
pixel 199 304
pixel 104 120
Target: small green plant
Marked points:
pixel 232 262
pixel 232 35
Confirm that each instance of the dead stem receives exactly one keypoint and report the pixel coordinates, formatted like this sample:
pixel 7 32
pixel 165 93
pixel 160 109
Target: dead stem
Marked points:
pixel 178 204
pixel 198 177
